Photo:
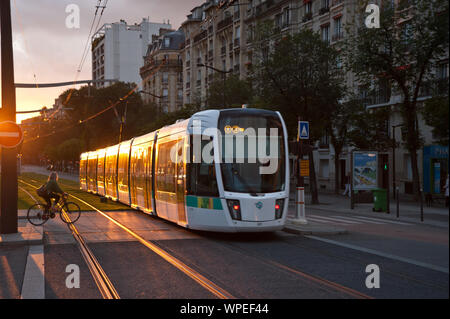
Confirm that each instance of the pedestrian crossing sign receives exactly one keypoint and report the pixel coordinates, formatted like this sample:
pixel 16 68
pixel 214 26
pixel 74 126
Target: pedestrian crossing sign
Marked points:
pixel 303 130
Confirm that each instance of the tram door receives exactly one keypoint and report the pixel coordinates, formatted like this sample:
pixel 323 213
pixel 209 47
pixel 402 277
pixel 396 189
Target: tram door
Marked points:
pixel 181 178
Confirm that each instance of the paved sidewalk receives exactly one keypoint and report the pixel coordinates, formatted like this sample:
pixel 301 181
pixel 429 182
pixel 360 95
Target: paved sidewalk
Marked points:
pixel 27 235
pixel 312 228
pixel 408 210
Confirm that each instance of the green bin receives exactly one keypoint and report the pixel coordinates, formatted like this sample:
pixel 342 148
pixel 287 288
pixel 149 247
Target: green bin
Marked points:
pixel 379 200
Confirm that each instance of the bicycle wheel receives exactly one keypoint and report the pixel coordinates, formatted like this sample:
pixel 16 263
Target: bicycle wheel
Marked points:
pixel 70 213
pixel 36 215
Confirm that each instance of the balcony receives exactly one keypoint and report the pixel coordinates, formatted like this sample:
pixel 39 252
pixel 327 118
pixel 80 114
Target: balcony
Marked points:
pixel 337 36
pixel 225 23
pixel 324 10
pixel 434 88
pixel 237 15
pixel 202 35
pixel 264 7
pixel 381 96
pixel 336 2
pixel 307 17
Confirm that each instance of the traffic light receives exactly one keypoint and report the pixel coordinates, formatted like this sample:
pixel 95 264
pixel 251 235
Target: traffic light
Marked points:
pixel 385 166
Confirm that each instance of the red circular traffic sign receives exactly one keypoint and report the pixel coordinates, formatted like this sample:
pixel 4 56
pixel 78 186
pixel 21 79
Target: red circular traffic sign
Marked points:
pixel 10 134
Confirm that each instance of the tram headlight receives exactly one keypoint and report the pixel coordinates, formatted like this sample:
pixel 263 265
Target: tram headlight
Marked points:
pixel 234 206
pixel 279 205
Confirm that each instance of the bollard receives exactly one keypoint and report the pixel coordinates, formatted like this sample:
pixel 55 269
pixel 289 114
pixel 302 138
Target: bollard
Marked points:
pixel 398 202
pixel 300 206
pixel 421 205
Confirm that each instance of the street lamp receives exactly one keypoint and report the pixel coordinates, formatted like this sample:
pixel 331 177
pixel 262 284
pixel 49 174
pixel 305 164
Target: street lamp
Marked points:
pixel 223 76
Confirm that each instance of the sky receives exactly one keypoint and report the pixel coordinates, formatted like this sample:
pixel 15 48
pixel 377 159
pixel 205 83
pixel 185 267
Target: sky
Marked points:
pixel 46 51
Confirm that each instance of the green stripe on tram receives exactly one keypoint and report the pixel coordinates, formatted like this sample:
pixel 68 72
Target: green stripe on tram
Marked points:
pixel 204 202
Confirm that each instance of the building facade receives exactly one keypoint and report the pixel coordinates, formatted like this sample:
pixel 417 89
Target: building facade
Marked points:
pixel 118 50
pixel 219 39
pixel 162 73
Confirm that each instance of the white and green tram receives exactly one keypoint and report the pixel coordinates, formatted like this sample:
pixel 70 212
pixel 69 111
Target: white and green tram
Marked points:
pixel 201 173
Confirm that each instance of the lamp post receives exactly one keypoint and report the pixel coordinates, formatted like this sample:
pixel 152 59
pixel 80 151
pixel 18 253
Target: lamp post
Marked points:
pixel 223 76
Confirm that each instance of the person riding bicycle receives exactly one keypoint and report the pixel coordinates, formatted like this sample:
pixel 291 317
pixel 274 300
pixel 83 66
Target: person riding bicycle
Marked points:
pixel 52 190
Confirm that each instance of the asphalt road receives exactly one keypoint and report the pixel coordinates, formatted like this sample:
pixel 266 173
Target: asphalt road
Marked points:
pixel 268 265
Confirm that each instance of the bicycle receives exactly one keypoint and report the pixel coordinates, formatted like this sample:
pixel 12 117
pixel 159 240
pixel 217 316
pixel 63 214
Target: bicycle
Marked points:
pixel 69 212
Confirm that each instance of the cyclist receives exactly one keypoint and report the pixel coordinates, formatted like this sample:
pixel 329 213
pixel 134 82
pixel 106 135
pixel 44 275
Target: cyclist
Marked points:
pixel 52 190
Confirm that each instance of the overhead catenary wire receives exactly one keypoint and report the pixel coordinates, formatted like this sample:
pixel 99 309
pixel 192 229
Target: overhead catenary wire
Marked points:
pixel 86 46
pixel 109 107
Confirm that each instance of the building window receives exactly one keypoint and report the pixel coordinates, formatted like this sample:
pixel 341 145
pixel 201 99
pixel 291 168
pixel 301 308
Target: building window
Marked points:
pixel 325 32
pixel 180 94
pixel 165 78
pixel 167 42
pixel 286 18
pixel 308 7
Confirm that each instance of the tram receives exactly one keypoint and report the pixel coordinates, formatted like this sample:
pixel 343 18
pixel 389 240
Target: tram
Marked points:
pixel 201 173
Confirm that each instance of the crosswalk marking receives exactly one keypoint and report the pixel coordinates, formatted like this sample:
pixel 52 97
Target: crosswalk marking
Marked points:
pixel 384 220
pixel 352 220
pixel 338 220
pixel 323 221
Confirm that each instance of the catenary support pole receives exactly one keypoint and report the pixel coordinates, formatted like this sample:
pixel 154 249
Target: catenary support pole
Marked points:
pixel 9 190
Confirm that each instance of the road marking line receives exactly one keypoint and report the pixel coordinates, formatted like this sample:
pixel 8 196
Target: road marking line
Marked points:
pixel 381 254
pixel 383 220
pixel 33 286
pixel 338 220
pixel 324 221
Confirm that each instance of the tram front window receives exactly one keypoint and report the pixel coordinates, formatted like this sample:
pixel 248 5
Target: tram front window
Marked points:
pixel 243 173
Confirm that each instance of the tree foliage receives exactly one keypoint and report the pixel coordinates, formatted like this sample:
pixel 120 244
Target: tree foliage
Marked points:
pixel 403 53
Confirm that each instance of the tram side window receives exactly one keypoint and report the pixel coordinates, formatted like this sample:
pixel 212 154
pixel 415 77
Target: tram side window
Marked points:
pixel 166 168
pixel 201 177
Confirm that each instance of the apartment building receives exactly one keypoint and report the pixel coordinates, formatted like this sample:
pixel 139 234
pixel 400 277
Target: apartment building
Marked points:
pixel 162 73
pixel 218 39
pixel 118 50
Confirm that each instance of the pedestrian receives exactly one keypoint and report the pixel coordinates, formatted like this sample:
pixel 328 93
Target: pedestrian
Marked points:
pixel 446 192
pixel 347 186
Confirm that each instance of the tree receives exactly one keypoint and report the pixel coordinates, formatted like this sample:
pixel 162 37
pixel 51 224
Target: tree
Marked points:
pixel 402 52
pixel 297 75
pixel 435 113
pixel 228 93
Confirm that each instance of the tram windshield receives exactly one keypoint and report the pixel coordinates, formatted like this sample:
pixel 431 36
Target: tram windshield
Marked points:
pixel 246 135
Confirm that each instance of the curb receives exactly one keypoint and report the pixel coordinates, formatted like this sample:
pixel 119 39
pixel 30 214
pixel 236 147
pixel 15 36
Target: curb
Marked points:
pixel 303 230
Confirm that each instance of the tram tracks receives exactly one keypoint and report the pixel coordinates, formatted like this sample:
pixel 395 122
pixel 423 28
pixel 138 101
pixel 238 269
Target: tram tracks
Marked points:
pixel 174 261
pixel 323 283
pixel 100 277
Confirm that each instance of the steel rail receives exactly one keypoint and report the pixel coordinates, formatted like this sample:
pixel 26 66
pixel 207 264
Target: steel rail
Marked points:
pixel 190 272
pixel 100 277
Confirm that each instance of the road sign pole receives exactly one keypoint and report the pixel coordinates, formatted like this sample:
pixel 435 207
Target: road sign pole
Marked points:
pixel 9 193
pixel 300 189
